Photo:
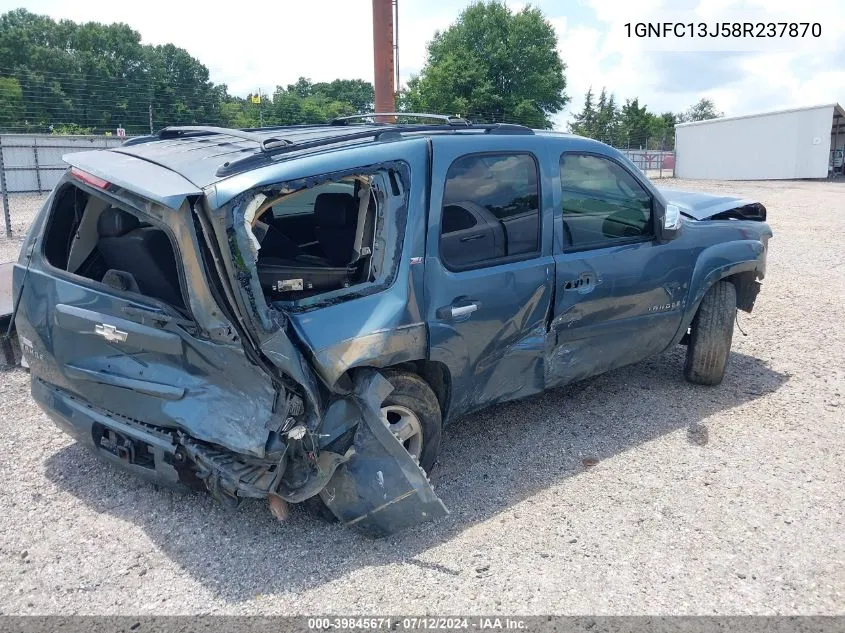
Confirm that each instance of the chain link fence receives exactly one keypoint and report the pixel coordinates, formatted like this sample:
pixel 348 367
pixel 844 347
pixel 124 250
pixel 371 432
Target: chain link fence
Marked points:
pixel 653 163
pixel 30 166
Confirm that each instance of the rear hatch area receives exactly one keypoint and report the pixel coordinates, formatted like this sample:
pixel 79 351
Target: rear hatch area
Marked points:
pixel 136 349
pixel 106 316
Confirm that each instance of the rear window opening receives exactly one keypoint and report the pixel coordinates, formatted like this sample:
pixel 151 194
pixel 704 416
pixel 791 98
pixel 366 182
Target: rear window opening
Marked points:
pixel 87 236
pixel 316 240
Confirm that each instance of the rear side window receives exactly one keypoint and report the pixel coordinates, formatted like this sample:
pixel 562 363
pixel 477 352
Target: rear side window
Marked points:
pixel 490 210
pixel 602 204
pixel 63 227
pixel 89 237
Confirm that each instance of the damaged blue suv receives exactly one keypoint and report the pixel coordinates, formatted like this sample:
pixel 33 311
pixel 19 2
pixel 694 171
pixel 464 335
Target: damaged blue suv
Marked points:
pixel 293 313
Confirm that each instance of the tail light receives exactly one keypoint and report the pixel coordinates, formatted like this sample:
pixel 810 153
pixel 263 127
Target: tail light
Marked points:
pixel 89 179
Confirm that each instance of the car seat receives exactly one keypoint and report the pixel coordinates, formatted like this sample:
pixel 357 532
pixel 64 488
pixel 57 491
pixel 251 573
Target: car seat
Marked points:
pixel 337 220
pixel 143 251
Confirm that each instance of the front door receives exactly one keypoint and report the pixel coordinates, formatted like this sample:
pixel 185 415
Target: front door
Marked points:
pixel 489 270
pixel 619 293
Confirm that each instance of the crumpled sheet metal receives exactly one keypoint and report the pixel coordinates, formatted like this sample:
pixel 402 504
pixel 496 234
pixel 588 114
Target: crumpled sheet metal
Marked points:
pixel 381 490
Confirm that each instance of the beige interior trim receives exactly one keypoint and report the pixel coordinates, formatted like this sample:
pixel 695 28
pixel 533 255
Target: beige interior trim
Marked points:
pixel 86 236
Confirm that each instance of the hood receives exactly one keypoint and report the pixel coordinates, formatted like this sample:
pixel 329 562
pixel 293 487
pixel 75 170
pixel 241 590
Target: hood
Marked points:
pixel 706 206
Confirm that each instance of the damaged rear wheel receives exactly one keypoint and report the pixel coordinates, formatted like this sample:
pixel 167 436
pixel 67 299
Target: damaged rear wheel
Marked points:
pixel 412 413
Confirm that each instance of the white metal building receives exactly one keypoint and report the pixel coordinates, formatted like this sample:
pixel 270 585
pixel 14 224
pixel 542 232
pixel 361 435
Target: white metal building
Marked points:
pixel 796 143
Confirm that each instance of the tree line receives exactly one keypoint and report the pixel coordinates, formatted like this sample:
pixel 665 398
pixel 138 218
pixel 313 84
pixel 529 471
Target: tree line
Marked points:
pixel 92 77
pixel 632 125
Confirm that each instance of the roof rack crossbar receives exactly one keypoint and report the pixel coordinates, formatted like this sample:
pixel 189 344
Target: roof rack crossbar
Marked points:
pixel 265 143
pixel 450 120
pixel 385 132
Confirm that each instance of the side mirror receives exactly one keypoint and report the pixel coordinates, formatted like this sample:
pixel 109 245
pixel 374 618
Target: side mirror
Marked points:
pixel 670 223
pixel 672 218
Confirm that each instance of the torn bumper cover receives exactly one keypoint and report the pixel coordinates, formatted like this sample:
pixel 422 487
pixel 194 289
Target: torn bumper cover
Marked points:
pixel 375 486
pixel 381 489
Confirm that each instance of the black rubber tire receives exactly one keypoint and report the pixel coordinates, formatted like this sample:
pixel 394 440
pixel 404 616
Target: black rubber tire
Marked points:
pixel 710 335
pixel 411 391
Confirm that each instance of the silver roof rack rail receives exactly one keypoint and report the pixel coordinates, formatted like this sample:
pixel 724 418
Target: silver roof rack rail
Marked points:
pixel 449 120
pixel 265 143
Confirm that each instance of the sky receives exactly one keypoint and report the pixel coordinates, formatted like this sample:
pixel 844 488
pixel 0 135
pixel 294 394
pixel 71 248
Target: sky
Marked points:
pixel 259 45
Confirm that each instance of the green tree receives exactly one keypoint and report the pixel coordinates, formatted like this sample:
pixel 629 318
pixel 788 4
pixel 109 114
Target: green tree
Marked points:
pixel 100 76
pixel 72 74
pixel 492 65
pixel 635 120
pixel 585 121
pixel 703 110
pixel 68 76
pixel 11 102
pixel 305 102
pixel 357 93
pixel 607 119
pixel 180 87
pixel 631 126
pixel 236 112
pixel 662 131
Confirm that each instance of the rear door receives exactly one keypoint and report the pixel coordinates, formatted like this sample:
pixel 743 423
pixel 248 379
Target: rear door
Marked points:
pixel 134 355
pixel 489 269
pixel 620 293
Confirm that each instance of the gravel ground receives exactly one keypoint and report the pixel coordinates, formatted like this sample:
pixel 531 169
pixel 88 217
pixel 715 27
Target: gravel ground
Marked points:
pixel 720 500
pixel 22 210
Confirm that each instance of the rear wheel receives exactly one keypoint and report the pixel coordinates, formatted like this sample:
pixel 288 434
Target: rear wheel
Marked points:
pixel 412 414
pixel 711 334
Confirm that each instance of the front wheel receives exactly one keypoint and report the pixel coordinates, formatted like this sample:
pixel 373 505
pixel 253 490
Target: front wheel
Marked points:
pixel 711 334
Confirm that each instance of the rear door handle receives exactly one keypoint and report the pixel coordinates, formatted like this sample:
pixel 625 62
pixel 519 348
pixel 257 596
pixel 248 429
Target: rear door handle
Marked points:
pixel 470 238
pixel 458 311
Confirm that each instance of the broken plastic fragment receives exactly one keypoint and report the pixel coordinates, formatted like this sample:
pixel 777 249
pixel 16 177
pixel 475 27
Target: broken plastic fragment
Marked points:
pixel 249 214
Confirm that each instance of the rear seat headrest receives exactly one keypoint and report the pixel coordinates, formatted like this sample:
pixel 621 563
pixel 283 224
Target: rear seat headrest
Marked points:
pixel 335 210
pixel 116 222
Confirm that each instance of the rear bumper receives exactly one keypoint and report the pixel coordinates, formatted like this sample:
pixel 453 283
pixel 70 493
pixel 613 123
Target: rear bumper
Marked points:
pixel 403 498
pixel 145 454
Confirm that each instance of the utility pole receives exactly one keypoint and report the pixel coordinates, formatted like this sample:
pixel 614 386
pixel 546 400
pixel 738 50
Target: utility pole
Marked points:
pixel 151 119
pixel 383 56
pixel 397 83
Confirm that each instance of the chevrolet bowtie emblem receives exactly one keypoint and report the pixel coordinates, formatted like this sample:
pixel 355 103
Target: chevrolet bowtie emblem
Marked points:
pixel 110 333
